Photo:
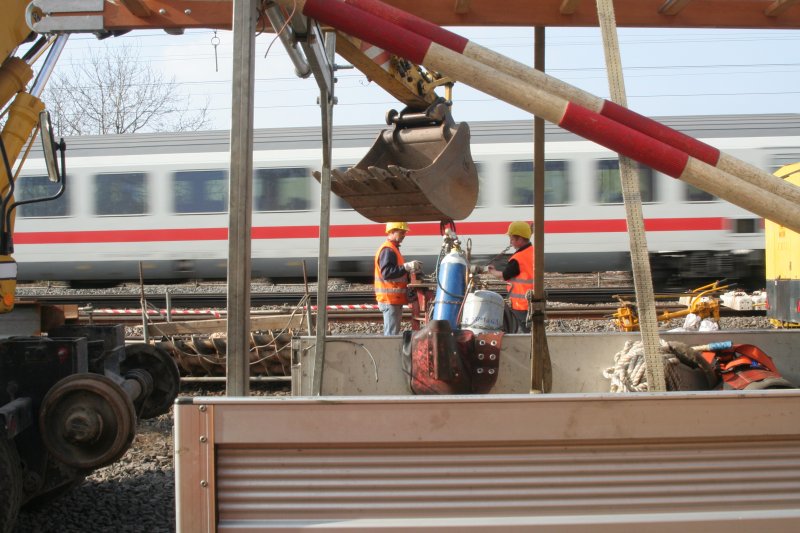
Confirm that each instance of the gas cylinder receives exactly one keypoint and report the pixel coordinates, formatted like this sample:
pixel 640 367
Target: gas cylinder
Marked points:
pixel 483 312
pixel 450 288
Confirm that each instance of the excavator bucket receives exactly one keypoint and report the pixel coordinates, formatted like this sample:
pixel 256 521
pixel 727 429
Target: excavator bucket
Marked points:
pixel 419 170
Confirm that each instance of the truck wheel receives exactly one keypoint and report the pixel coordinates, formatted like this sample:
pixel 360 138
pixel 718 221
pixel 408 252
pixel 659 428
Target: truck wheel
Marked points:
pixel 10 484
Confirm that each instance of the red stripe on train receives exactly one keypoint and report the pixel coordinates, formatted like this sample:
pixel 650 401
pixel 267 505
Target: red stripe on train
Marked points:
pixel 361 230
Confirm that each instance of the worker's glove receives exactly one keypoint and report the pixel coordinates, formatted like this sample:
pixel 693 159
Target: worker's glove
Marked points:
pixel 413 266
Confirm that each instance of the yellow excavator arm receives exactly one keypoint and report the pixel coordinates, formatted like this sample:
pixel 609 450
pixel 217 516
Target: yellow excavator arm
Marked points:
pixel 20 108
pixel 21 118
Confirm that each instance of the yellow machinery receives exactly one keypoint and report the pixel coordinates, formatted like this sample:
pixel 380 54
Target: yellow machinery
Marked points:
pixel 783 264
pixel 701 302
pixel 21 117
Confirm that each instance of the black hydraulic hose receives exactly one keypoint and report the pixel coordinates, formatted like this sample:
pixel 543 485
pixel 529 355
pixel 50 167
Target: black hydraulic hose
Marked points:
pixel 7 242
pixel 4 236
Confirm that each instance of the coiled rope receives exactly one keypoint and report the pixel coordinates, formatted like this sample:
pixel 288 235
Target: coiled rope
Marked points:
pixel 629 373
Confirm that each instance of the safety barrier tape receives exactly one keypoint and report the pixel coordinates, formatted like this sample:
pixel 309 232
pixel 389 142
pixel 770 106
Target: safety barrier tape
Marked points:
pixel 212 312
pixel 220 313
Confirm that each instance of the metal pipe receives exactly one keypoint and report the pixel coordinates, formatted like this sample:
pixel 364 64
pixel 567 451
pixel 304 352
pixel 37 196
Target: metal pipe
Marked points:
pixel 35 52
pixel 240 197
pixel 168 298
pixel 326 101
pixel 49 64
pixel 287 37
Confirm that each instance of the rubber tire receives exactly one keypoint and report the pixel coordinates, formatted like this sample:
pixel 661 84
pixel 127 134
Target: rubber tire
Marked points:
pixel 770 383
pixel 10 485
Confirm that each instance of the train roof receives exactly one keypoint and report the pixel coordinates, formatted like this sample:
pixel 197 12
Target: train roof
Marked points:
pixel 482 132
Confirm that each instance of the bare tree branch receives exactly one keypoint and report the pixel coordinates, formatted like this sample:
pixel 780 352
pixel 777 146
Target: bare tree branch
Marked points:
pixel 115 92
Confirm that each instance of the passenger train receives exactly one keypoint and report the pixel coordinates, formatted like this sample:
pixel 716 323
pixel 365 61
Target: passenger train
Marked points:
pixel 161 200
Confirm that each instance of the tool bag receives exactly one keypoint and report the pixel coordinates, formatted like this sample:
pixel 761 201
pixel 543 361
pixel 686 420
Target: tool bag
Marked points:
pixel 746 367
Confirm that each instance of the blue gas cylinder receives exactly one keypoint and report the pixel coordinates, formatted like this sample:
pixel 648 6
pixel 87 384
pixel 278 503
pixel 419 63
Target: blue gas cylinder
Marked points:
pixel 450 288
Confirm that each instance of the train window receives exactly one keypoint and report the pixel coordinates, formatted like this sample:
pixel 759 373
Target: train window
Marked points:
pixel 556 183
pixel 282 189
pixel 746 225
pixel 483 186
pixel 201 191
pixel 30 187
pixel 693 194
pixel 609 188
pixel 781 160
pixel 120 194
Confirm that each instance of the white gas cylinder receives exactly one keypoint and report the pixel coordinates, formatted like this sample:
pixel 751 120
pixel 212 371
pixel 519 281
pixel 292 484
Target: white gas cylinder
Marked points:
pixel 483 312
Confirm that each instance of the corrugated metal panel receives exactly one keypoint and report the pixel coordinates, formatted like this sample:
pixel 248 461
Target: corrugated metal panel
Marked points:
pixel 348 483
pixel 694 461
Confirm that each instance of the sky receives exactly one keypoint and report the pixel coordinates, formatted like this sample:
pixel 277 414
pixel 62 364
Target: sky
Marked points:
pixel 667 72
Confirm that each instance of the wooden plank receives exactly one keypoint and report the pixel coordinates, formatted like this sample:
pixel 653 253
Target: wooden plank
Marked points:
pixel 137 7
pixel 673 7
pixel 568 7
pixel 630 13
pixel 212 326
pixel 779 6
pixel 462 6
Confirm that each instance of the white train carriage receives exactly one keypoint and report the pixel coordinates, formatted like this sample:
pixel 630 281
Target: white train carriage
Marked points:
pixel 161 200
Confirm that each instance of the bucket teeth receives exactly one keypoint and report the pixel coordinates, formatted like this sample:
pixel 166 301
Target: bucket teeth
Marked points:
pixel 399 172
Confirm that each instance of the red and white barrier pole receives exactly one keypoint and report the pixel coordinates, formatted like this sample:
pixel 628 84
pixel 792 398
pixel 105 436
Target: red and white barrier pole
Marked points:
pixel 694 148
pixel 540 101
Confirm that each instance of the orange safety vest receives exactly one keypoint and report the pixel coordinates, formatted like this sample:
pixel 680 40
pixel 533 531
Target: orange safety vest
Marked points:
pixel 390 291
pixel 520 285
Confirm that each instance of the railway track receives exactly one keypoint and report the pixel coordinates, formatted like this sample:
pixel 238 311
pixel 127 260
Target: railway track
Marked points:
pixel 350 305
pixel 573 295
pixel 359 313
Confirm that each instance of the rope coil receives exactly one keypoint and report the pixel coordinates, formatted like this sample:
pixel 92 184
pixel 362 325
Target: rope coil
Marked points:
pixel 629 373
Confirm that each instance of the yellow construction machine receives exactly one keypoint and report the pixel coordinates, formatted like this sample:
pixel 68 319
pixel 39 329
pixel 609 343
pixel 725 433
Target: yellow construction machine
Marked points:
pixel 700 302
pixel 21 116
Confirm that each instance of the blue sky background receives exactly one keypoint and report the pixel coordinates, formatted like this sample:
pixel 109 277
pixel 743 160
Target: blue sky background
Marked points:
pixel 667 72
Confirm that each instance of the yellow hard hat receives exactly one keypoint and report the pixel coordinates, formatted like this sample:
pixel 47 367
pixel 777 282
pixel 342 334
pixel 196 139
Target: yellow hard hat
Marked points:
pixel 519 228
pixel 391 226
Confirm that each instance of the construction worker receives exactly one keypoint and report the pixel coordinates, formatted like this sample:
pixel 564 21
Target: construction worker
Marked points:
pixel 392 276
pixel 518 273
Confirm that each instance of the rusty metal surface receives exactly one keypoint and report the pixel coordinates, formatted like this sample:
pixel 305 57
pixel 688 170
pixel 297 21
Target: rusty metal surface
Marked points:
pixel 418 171
pixel 87 421
pixel 269 354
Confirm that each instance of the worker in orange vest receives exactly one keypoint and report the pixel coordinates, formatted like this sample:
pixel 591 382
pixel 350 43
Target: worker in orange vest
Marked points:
pixel 392 277
pixel 518 273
